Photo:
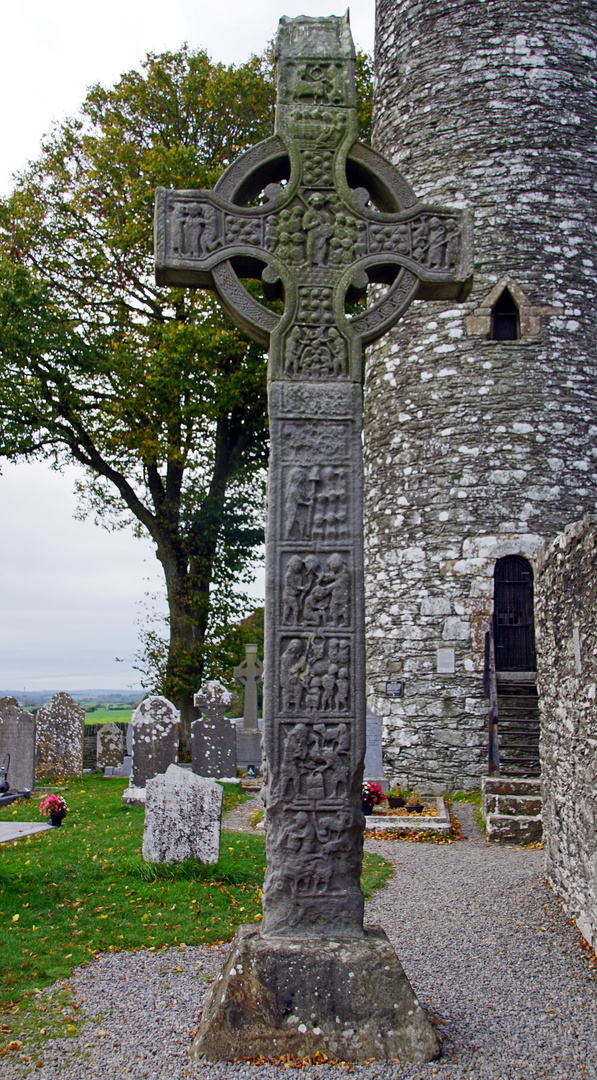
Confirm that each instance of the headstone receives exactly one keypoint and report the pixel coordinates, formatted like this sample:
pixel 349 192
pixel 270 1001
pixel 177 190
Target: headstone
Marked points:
pixel 373 769
pixel 154 744
pixel 213 737
pixel 248 735
pixel 17 738
pixel 109 746
pixel 182 817
pixel 320 241
pixel 60 728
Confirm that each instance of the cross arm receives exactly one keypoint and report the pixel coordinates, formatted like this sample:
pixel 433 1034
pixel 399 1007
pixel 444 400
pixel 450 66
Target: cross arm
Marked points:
pixel 195 231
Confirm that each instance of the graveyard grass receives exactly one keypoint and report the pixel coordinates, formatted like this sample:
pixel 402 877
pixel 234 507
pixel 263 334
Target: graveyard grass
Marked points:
pixel 70 893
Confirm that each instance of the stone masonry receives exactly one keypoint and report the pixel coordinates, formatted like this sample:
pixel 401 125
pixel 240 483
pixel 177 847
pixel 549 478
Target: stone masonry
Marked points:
pixel 566 600
pixel 474 448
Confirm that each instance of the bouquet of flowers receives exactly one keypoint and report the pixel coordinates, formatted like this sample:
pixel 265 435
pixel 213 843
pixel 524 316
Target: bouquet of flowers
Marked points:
pixel 53 804
pixel 372 794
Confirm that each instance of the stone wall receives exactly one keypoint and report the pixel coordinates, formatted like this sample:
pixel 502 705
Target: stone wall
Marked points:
pixel 566 602
pixel 476 449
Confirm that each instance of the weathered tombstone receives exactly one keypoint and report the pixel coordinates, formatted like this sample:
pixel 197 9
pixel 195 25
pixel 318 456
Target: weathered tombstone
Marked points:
pixel 154 744
pixel 182 817
pixel 60 728
pixel 213 737
pixel 311 978
pixel 17 738
pixel 248 735
pixel 373 769
pixel 109 746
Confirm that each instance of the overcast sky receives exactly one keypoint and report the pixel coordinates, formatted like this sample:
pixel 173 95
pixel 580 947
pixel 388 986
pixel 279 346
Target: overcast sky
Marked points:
pixel 71 594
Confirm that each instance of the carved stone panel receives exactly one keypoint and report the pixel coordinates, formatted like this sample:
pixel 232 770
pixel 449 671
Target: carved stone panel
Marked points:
pixel 315 675
pixel 316 590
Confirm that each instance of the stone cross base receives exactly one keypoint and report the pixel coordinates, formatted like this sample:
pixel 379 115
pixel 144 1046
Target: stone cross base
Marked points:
pixel 349 1000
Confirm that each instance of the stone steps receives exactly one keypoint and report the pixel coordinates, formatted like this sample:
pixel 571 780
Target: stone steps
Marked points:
pixel 518 729
pixel 512 809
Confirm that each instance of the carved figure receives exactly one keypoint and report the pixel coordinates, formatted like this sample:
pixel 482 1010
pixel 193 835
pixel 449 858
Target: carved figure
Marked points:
pixel 296 508
pixel 317 224
pixel 294 760
pixel 436 244
pixel 293 665
pixel 293 590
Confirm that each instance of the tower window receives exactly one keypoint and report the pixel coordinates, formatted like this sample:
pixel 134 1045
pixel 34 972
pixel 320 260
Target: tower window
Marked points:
pixel 505 319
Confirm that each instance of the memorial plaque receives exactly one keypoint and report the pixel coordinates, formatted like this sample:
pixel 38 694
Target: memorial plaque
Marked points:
pixel 394 688
pixel 343 219
pixel 445 662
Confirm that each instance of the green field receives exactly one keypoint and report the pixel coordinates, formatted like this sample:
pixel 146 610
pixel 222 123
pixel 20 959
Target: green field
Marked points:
pixel 73 892
pixel 103 715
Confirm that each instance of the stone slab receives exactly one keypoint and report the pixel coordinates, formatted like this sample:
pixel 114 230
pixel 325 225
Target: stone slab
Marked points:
pixel 183 815
pixel 17 738
pixel 350 1000
pixel 412 823
pixel 108 746
pixel 154 726
pixel 60 728
pixel 513 805
pixel 497 785
pixel 133 795
pixel 373 749
pixel 248 748
pixel 213 748
pixel 505 829
pixel 16 830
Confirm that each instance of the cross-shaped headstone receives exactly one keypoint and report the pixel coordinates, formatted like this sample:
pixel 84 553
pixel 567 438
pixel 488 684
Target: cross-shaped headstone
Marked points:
pixel 249 674
pixel 213 737
pixel 317 217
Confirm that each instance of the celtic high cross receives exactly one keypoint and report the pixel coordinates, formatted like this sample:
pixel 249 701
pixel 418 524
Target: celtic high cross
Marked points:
pixel 317 217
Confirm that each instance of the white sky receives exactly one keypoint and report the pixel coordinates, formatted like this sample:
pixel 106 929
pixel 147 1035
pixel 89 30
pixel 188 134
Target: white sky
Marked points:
pixel 71 594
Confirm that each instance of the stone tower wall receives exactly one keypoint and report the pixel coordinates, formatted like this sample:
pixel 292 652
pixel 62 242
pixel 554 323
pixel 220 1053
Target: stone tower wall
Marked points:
pixel 475 448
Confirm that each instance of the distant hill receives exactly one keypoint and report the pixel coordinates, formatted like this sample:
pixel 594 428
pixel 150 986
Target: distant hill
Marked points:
pixel 39 697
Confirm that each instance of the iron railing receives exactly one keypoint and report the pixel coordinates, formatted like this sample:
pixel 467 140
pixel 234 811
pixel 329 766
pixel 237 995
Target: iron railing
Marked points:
pixel 490 687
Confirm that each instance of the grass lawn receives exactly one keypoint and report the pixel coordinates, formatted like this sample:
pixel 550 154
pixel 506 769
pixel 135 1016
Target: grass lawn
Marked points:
pixel 82 889
pixel 108 716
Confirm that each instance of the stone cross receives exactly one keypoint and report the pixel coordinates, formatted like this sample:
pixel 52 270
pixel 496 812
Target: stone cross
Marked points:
pixel 249 674
pixel 317 216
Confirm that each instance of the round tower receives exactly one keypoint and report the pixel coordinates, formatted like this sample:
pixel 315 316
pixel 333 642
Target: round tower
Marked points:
pixel 480 418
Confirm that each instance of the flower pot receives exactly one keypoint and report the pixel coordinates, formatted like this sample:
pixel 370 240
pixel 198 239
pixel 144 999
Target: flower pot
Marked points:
pixel 366 808
pixel 415 809
pixel 57 819
pixel 394 801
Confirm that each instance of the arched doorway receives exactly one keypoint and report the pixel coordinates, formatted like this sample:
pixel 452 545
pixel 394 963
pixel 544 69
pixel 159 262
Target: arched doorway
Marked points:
pixel 514 625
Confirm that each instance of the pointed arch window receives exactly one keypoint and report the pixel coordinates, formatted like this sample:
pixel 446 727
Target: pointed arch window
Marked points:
pixel 505 318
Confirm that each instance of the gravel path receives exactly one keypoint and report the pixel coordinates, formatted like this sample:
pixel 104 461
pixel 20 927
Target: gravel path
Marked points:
pixel 480 935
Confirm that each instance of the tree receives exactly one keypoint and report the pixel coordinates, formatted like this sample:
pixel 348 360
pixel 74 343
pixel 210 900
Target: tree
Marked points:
pixel 151 390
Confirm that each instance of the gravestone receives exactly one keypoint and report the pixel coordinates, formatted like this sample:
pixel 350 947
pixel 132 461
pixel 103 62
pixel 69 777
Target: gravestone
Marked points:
pixel 60 728
pixel 312 978
pixel 17 738
pixel 154 725
pixel 182 817
pixel 373 769
pixel 109 746
pixel 248 735
pixel 213 737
